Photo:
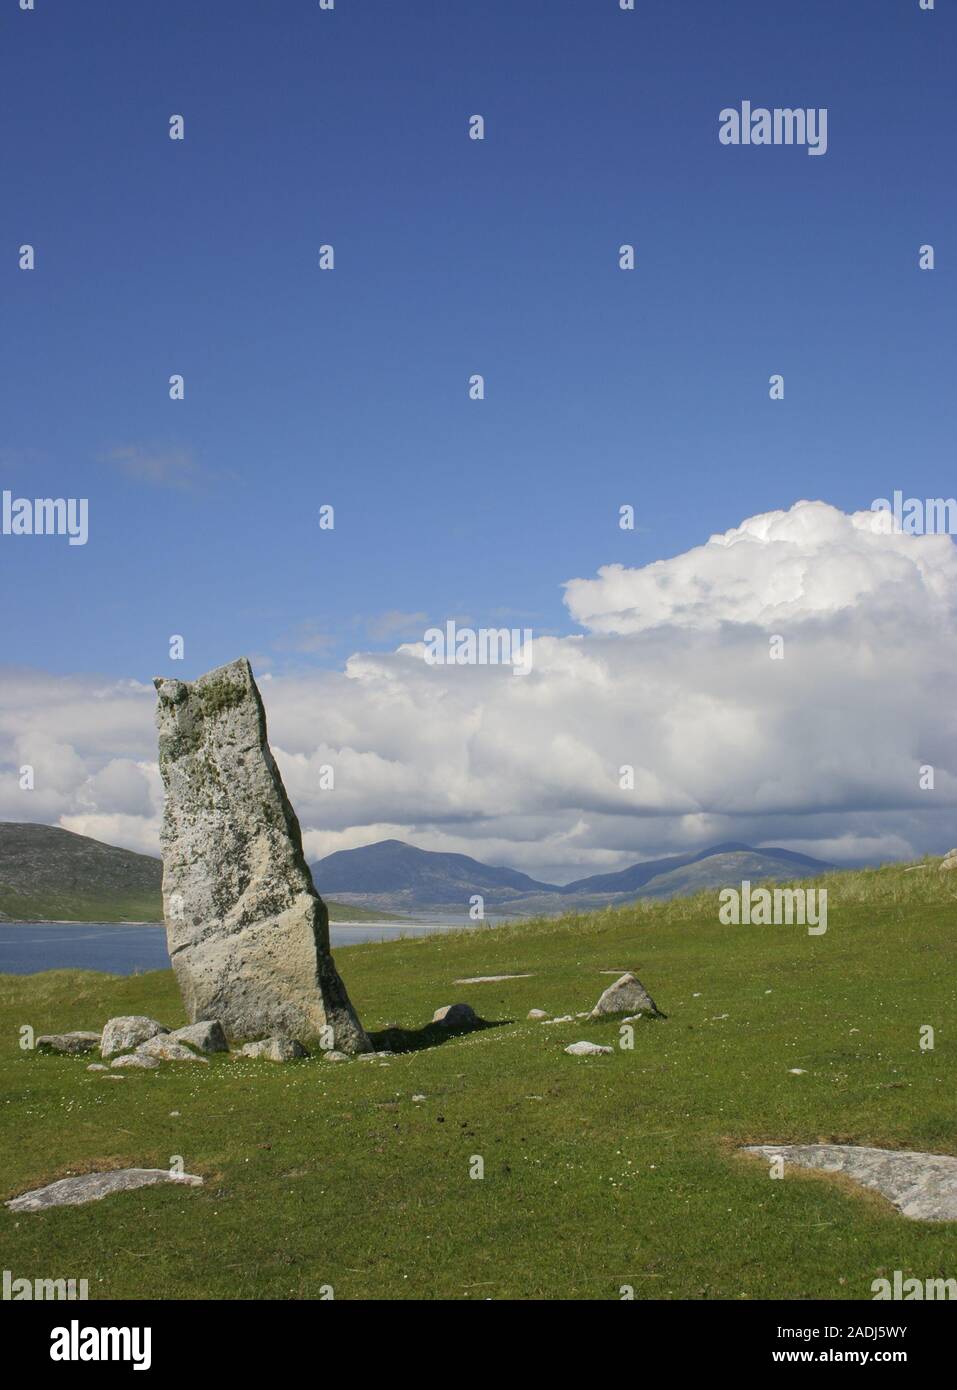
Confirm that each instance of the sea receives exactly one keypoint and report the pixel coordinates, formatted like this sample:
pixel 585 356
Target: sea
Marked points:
pixel 130 948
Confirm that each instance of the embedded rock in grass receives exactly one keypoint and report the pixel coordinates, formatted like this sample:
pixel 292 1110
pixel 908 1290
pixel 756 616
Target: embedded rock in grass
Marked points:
pixel 921 1186
pixel 626 996
pixel 207 1036
pixel 136 1059
pixel 72 1043
pixel 457 1016
pixel 274 1049
pixel 164 1049
pixel 248 934
pixel 949 860
pixel 537 1013
pixel 92 1187
pixel 587 1049
pixel 124 1033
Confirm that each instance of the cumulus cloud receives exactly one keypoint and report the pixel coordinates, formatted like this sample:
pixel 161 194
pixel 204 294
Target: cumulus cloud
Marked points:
pixel 671 674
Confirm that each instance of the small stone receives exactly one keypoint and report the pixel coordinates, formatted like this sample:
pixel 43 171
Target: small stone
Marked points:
pixel 797 1071
pixel 626 995
pixel 565 1018
pixel 92 1187
pixel 587 1049
pixel 537 1013
pixel 163 1049
pixel 207 1036
pixel 97 1066
pixel 489 979
pixel 333 1056
pixel 125 1033
pixel 72 1043
pixel 136 1059
pixel 418 1098
pixel 457 1016
pixel 274 1049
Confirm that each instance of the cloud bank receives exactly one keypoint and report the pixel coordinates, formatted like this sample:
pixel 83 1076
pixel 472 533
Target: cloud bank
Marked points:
pixel 671 675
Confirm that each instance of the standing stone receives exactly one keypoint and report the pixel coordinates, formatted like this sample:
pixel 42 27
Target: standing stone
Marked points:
pixel 248 934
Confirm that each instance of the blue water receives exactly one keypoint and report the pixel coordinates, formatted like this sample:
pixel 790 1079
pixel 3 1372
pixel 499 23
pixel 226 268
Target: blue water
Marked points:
pixel 28 947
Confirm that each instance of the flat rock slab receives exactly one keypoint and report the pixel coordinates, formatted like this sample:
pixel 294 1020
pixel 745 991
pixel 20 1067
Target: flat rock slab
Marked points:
pixel 70 1043
pixel 93 1187
pixel 921 1186
pixel 491 979
pixel 588 1049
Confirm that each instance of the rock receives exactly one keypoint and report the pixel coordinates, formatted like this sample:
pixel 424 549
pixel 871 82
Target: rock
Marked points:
pixel 797 1071
pixel 136 1059
pixel 248 934
pixel 489 979
pixel 73 1043
pixel 207 1036
pixel 921 1186
pixel 456 1016
pixel 97 1066
pixel 418 1098
pixel 587 1049
pixel 124 1033
pixel 565 1018
pixel 949 860
pixel 274 1049
pixel 334 1056
pixel 164 1049
pixel 537 1013
pixel 92 1187
pixel 626 996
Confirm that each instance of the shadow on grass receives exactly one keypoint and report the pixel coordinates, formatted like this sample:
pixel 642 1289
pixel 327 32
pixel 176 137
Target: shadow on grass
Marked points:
pixel 396 1039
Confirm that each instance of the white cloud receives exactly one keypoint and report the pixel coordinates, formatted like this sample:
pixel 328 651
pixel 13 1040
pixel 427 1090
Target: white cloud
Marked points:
pixel 672 675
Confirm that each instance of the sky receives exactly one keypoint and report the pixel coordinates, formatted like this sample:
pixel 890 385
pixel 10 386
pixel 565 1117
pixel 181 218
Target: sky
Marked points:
pixel 349 387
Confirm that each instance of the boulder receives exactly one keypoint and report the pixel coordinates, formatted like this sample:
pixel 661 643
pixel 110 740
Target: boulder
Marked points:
pixel 922 1186
pixel 626 996
pixel 163 1049
pixel 949 860
pixel 456 1016
pixel 92 1187
pixel 73 1043
pixel 248 935
pixel 124 1033
pixel 274 1049
pixel 136 1059
pixel 587 1049
pixel 207 1036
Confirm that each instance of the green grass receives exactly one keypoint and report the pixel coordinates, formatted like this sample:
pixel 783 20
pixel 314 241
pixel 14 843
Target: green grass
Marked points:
pixel 599 1172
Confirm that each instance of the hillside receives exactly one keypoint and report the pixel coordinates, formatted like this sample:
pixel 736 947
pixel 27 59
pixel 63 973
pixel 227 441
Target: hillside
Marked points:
pixel 598 1172
pixel 397 877
pixel 49 874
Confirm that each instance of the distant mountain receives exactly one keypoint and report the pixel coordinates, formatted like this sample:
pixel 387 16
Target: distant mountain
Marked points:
pixel 421 877
pixel 49 874
pixel 393 876
pixel 780 861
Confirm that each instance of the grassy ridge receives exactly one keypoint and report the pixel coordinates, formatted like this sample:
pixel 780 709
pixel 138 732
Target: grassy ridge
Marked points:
pixel 599 1172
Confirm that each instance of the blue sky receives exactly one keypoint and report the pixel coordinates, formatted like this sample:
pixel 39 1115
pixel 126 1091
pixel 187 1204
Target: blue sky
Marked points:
pixel 452 257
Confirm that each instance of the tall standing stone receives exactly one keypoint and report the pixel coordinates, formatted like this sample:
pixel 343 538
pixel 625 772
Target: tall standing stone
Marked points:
pixel 248 934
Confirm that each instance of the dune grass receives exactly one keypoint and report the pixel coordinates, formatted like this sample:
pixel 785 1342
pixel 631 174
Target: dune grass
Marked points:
pixel 599 1172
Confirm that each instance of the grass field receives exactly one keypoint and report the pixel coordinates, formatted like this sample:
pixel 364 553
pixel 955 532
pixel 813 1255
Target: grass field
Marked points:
pixel 599 1172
